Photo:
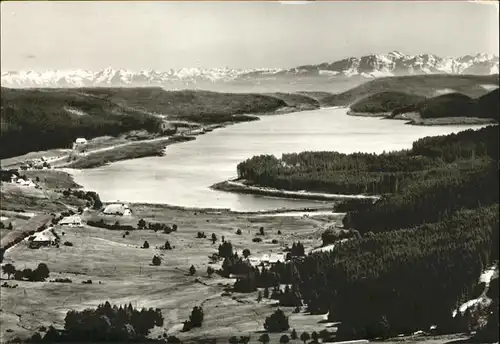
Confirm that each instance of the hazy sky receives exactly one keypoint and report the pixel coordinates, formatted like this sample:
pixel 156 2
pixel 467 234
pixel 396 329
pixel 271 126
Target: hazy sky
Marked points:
pixel 162 35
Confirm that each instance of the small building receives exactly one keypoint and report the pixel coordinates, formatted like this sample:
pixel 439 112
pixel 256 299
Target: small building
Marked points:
pixel 80 143
pixel 167 127
pixel 23 182
pixel 72 221
pixel 117 209
pixel 238 276
pixel 42 239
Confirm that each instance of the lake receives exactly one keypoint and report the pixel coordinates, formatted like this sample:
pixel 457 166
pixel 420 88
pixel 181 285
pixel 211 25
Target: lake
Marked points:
pixel 182 177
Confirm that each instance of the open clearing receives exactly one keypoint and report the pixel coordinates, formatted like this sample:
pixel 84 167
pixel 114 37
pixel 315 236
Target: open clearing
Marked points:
pixel 126 275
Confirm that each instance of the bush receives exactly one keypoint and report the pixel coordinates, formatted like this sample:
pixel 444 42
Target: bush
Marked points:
pixel 167 245
pixel 141 224
pixel 238 232
pixel 192 270
pixel 246 253
pixel 261 231
pixel 210 271
pixel 331 235
pixel 226 250
pixel 145 245
pixel 62 280
pixel 264 338
pixel 186 326
pixel 257 239
pixel 67 243
pixel 156 260
pixel 305 337
pixel 274 241
pixel 18 275
pixel 35 338
pixel 325 335
pixel 173 340
pixel 87 282
pixel 9 269
pixel 294 334
pixel 277 322
pixel 244 339
pixel 297 250
pixel 196 317
pixel 284 339
pixel 40 273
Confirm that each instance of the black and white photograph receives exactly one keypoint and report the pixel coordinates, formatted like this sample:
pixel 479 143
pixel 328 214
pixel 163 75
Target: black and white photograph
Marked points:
pixel 249 172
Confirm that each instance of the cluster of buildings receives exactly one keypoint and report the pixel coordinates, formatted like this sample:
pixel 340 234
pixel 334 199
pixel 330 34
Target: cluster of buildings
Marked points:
pixel 37 164
pixel 21 181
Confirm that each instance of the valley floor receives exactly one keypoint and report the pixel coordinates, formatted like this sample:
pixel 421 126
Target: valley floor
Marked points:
pixel 122 272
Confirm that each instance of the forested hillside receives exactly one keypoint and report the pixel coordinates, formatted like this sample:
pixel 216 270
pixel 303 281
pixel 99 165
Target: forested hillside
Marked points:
pixel 454 105
pixel 193 105
pixel 363 173
pixel 422 246
pixel 385 102
pixel 420 85
pixel 403 281
pixel 33 120
pixel 54 118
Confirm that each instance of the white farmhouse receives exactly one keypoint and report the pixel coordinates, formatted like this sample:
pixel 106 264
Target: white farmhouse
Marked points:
pixel 117 209
pixel 80 143
pixel 72 221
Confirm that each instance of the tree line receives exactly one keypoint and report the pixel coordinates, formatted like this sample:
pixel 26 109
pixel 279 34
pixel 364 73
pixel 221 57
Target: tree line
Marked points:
pixel 417 252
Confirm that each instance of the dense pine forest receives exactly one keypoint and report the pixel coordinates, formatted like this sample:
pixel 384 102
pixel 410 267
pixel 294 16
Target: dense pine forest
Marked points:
pixel 363 173
pixel 423 245
pixel 452 105
pixel 55 118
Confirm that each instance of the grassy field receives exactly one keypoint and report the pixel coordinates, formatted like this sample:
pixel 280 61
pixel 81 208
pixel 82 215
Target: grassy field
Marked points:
pixel 126 275
pixel 52 179
pixel 132 150
pixel 25 199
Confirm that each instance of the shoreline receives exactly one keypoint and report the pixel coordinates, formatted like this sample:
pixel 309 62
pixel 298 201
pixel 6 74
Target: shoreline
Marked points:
pixel 157 146
pixel 228 211
pixel 413 118
pixel 237 186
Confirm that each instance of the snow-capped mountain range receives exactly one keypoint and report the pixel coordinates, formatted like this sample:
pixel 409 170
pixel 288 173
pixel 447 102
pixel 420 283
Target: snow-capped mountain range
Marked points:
pixel 370 66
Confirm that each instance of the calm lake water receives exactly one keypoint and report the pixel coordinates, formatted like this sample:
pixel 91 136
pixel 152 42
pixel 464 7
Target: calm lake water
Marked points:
pixel 182 177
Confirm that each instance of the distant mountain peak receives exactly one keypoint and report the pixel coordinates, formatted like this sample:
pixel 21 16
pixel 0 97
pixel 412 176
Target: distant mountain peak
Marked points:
pixel 368 66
